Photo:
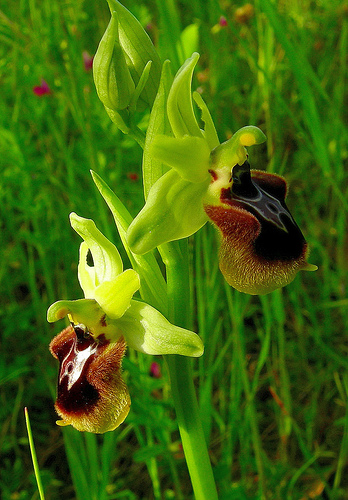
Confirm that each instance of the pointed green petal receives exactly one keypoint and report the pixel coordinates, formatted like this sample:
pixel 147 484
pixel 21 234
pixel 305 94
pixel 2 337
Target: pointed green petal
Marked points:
pixel 188 155
pixel 107 260
pixel 114 296
pixel 233 151
pixel 209 127
pixel 180 110
pixel 174 210
pixel 146 330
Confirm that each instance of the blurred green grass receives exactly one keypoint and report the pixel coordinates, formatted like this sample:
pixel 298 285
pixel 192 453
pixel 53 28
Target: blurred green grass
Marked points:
pixel 273 382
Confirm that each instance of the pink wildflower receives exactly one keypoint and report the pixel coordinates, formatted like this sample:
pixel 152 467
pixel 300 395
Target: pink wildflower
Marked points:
pixel 155 370
pixel 87 60
pixel 222 21
pixel 42 89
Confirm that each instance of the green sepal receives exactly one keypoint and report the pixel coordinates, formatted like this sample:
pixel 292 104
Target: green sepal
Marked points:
pixel 153 287
pixel 179 107
pixel 112 78
pixel 188 155
pixel 148 331
pixel 139 50
pixel 173 210
pixel 153 169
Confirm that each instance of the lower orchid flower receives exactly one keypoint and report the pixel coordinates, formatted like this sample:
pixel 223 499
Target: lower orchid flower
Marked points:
pixel 92 395
pixel 262 247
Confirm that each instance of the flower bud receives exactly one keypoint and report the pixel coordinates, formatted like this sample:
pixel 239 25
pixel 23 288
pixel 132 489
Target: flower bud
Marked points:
pixel 112 78
pixel 138 50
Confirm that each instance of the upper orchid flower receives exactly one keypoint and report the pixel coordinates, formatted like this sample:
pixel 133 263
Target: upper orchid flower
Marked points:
pixel 92 395
pixel 262 247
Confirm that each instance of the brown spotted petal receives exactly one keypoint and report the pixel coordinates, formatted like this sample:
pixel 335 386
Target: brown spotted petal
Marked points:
pixel 262 247
pixel 92 395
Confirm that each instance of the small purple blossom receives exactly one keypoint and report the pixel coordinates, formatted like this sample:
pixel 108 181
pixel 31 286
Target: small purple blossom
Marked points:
pixel 42 89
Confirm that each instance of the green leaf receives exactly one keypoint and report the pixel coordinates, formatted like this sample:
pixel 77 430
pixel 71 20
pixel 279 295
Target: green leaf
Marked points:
pixel 189 40
pixel 148 331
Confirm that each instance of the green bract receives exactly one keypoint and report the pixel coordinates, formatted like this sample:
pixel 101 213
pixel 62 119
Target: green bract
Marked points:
pixel 198 168
pixel 108 308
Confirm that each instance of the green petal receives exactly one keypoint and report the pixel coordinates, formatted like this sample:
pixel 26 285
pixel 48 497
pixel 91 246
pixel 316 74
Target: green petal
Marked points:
pixel 210 133
pixel 174 210
pixel 89 313
pixel 146 330
pixel 83 310
pixel 107 260
pixel 179 108
pixel 188 155
pixel 233 151
pixel 114 296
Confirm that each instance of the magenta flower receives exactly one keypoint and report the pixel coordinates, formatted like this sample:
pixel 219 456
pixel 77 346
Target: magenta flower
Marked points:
pixel 155 370
pixel 222 21
pixel 87 60
pixel 42 89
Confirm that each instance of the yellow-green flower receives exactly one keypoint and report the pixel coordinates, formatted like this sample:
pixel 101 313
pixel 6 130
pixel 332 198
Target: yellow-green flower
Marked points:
pixel 92 395
pixel 262 248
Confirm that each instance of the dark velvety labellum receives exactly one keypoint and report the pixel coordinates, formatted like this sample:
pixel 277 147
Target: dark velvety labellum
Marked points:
pixel 75 393
pixel 263 195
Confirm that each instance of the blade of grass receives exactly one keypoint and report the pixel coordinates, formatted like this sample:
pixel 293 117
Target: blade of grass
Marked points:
pixel 33 455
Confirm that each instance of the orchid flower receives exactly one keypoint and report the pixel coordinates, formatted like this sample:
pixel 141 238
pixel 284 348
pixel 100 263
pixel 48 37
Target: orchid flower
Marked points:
pixel 92 395
pixel 262 248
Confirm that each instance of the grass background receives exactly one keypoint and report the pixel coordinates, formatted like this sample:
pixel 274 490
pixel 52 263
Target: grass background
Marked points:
pixel 273 382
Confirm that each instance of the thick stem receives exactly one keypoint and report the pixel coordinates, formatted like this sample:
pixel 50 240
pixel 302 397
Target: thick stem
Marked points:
pixel 175 257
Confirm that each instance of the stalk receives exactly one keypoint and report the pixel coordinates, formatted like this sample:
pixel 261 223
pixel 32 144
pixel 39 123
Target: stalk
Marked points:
pixel 176 258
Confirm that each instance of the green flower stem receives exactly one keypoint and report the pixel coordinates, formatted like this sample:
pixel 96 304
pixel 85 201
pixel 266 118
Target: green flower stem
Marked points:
pixel 138 135
pixel 175 257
